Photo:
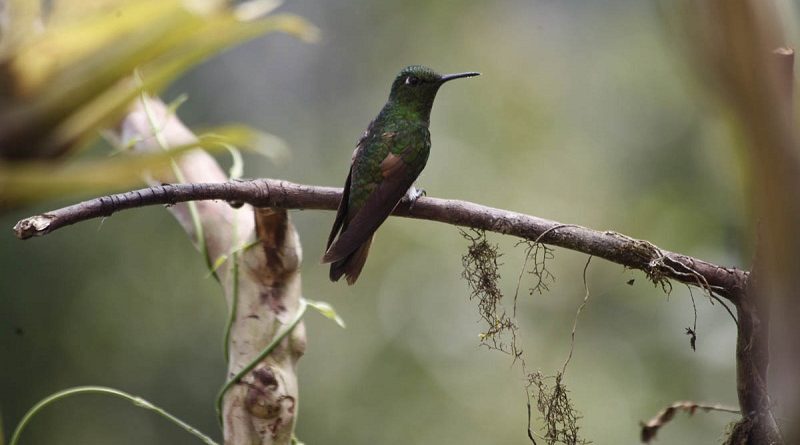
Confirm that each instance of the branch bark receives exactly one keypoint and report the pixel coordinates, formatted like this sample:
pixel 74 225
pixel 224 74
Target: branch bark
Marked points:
pixel 659 265
pixel 261 285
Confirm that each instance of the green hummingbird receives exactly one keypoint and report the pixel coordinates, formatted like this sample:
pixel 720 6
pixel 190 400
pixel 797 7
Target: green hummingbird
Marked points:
pixel 387 160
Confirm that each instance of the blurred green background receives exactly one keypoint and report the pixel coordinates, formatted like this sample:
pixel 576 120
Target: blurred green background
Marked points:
pixel 585 113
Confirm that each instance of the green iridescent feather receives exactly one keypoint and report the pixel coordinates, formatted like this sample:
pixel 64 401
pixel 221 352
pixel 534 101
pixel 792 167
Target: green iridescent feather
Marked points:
pixel 388 159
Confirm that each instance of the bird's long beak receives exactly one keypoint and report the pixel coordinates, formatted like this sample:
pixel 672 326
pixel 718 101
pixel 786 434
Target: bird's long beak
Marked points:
pixel 448 77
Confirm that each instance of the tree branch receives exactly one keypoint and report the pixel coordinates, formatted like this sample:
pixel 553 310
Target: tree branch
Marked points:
pixel 651 428
pixel 659 265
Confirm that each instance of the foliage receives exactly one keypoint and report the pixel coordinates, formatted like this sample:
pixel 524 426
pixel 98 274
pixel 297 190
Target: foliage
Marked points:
pixel 70 76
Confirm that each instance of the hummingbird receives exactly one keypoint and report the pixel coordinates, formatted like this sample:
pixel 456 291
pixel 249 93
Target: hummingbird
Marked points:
pixel 388 158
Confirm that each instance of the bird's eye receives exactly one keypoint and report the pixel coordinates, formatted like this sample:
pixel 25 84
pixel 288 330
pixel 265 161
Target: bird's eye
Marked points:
pixel 411 80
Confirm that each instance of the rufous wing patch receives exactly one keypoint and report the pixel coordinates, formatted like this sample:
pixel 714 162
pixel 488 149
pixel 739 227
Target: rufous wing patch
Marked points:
pixel 392 165
pixel 377 207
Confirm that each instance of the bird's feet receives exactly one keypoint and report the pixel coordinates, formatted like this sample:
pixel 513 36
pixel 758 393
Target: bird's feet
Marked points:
pixel 412 195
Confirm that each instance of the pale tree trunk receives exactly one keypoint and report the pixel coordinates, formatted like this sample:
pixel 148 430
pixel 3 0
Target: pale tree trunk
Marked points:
pixel 264 290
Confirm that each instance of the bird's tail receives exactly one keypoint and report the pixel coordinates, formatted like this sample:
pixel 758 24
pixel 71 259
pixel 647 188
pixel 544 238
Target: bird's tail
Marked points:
pixel 351 265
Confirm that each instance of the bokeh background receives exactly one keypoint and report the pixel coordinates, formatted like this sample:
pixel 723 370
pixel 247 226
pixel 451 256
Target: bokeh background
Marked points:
pixel 586 113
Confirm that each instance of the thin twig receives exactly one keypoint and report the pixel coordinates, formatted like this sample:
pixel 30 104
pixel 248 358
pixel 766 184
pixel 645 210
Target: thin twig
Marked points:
pixel 692 332
pixel 530 430
pixel 578 314
pixel 521 274
pixel 650 429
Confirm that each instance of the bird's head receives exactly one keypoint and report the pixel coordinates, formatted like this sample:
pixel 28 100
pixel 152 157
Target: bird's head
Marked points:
pixel 415 87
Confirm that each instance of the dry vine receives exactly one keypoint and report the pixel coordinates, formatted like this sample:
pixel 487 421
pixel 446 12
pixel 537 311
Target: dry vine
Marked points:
pixel 481 271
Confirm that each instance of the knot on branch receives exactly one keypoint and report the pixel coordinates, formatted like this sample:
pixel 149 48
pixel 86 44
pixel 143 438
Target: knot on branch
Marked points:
pixel 664 267
pixel 267 399
pixel 649 256
pixel 658 272
pixel 661 267
pixel 750 427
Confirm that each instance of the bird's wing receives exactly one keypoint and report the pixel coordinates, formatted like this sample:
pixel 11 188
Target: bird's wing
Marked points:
pixel 397 178
pixel 341 212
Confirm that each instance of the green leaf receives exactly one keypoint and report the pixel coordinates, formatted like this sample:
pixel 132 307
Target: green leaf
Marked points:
pixel 224 257
pixel 237 165
pixel 217 264
pixel 60 87
pixel 268 145
pixel 29 181
pixel 271 147
pixel 173 106
pixel 326 310
pixel 255 9
pixel 137 401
